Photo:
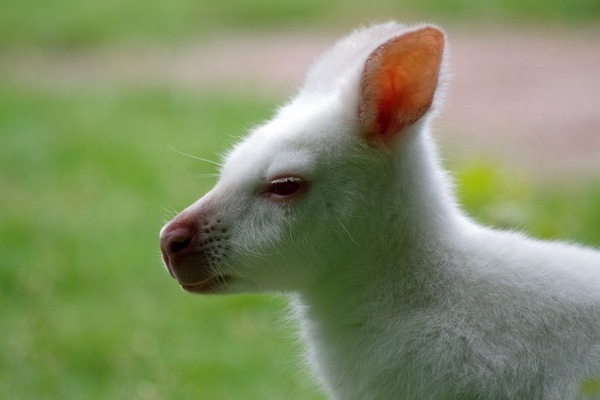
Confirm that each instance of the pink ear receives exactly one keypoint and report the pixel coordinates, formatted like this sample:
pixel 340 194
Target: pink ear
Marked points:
pixel 399 81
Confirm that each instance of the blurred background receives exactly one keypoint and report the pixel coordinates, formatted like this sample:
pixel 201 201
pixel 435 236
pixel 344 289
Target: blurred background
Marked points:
pixel 98 99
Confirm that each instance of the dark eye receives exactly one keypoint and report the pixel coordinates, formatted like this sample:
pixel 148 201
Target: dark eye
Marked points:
pixel 285 187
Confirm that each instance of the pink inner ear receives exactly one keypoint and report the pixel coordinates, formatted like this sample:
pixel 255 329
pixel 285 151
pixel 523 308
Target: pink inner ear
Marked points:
pixel 399 82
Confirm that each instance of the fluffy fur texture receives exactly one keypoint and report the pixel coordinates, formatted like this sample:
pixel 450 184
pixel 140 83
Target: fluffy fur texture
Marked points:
pixel 398 293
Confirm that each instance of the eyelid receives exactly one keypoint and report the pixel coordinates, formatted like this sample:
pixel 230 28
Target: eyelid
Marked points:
pixel 286 179
pixel 283 179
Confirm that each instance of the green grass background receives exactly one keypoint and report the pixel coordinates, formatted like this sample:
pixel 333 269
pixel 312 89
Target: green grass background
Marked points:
pixel 88 176
pixel 76 23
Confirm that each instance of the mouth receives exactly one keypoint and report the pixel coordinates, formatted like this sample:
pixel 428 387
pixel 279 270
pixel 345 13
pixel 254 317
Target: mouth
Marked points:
pixel 208 285
pixel 167 263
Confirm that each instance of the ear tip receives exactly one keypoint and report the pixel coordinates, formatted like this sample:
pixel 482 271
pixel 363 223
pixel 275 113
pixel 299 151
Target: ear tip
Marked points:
pixel 433 32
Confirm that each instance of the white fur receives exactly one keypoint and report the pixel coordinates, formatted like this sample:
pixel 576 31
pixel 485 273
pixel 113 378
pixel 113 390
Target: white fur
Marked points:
pixel 399 295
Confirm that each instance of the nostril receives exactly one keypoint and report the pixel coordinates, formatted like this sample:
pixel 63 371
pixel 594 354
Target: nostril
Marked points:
pixel 180 244
pixel 176 239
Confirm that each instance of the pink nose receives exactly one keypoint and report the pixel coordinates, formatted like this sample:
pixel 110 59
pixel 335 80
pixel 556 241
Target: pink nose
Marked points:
pixel 176 239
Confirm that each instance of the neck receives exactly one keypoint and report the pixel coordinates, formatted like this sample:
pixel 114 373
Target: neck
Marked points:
pixel 394 265
pixel 394 251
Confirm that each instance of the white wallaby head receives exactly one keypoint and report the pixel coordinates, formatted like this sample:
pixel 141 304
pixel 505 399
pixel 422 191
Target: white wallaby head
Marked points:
pixel 298 198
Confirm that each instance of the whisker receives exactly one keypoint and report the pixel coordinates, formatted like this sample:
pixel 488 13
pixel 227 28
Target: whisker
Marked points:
pixel 196 157
pixel 220 274
pixel 240 261
pixel 204 176
pixel 170 212
pixel 348 233
pixel 228 265
pixel 257 253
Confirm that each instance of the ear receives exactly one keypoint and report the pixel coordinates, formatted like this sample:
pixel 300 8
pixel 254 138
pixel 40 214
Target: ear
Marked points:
pixel 398 83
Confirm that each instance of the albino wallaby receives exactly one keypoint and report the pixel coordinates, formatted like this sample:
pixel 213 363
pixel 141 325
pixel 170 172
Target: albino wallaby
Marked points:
pixel 340 201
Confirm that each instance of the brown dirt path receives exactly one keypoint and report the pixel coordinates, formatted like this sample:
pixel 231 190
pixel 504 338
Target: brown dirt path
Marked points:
pixel 528 98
